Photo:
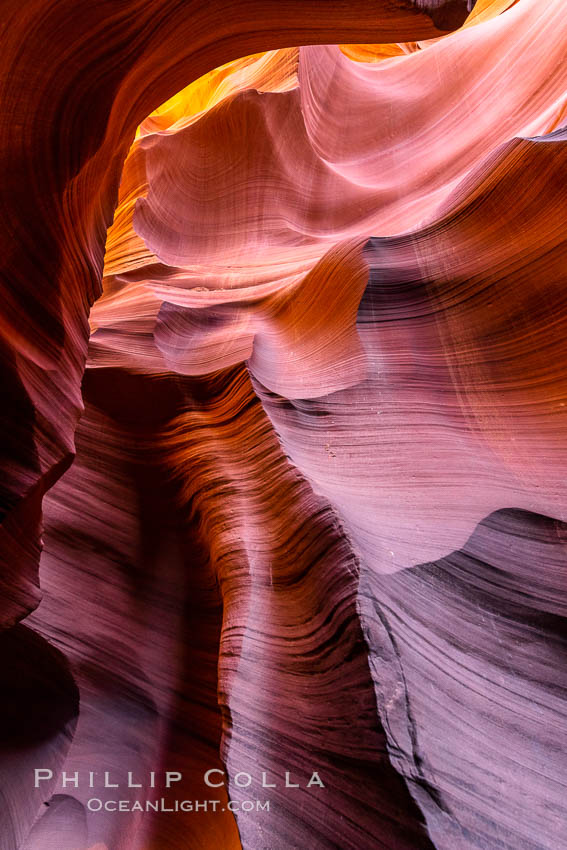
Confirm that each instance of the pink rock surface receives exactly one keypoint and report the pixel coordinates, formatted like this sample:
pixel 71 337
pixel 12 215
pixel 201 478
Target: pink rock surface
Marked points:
pixel 304 486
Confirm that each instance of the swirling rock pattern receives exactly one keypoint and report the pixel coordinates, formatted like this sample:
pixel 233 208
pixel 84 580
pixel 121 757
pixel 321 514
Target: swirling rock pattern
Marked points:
pixel 302 466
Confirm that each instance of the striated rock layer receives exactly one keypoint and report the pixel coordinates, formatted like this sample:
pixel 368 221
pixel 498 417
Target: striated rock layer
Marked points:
pixel 304 479
pixel 77 79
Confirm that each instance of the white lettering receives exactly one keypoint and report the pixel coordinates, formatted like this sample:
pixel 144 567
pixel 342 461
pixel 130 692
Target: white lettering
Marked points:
pixel 47 774
pixel 66 780
pixel 107 782
pixel 315 780
pixel 289 784
pixel 131 783
pixel 213 784
pixel 172 776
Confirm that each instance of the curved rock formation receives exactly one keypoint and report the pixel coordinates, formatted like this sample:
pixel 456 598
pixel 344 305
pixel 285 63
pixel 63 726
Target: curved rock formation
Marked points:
pixel 304 509
pixel 77 79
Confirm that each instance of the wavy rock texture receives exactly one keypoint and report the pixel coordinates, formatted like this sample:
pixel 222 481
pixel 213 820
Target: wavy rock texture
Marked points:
pixel 77 79
pixel 312 515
